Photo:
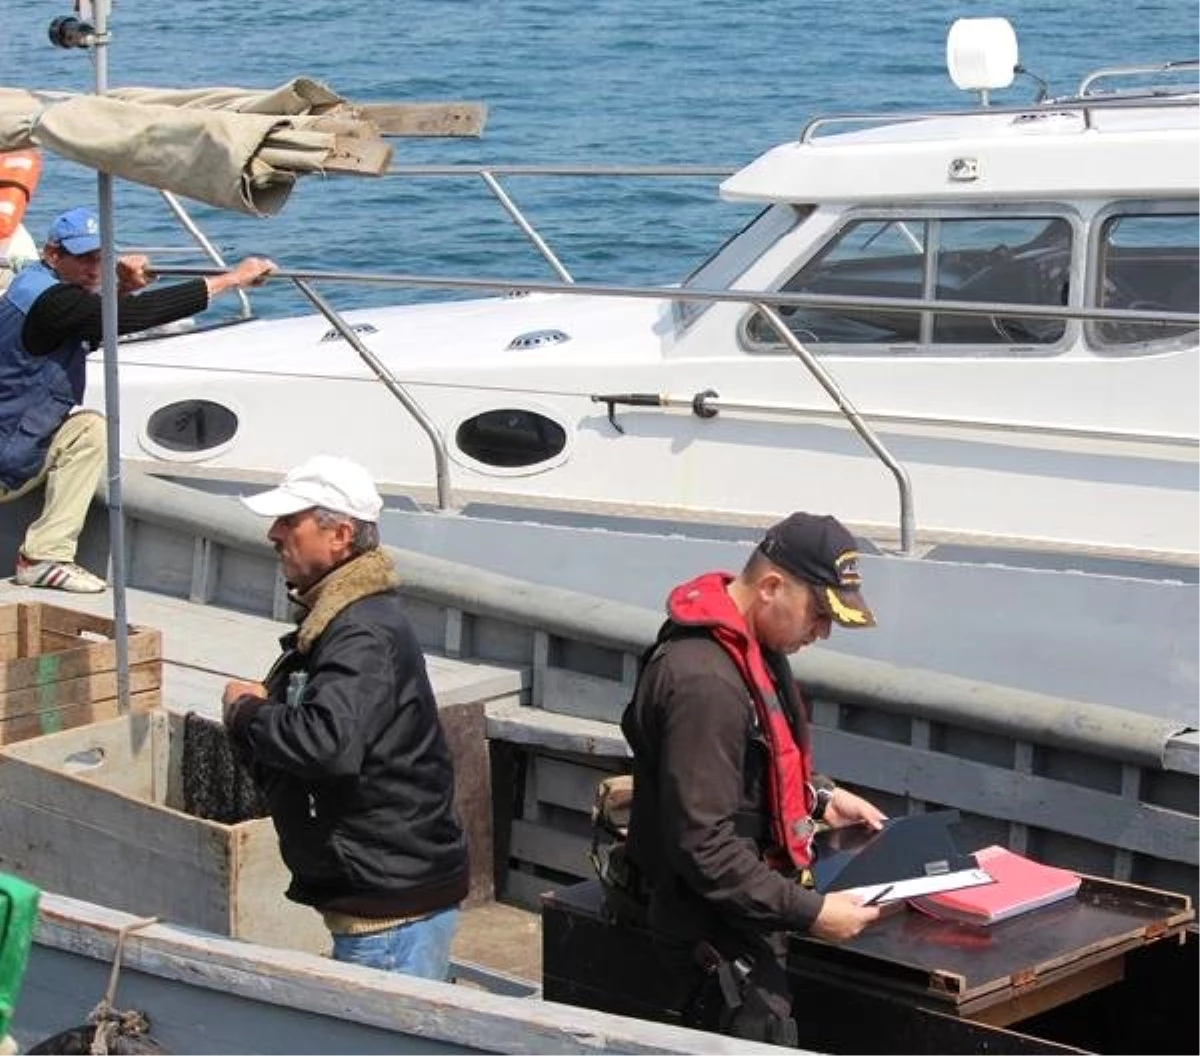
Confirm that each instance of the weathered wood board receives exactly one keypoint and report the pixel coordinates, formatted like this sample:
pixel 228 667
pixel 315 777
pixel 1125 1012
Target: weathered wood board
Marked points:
pixel 58 669
pixel 84 813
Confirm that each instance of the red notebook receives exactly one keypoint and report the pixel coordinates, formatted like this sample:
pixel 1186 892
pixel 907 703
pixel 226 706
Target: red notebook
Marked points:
pixel 1021 884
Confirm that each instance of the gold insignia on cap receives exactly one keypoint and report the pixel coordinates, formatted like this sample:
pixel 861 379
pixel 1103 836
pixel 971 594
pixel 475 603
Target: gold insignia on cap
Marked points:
pixel 847 568
pixel 842 612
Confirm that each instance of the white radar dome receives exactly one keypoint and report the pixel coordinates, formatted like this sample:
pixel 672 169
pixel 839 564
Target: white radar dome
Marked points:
pixel 981 53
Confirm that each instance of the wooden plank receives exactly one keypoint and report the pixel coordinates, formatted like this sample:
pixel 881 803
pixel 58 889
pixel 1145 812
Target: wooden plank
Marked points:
pixel 996 792
pixel 70 836
pixel 74 622
pixel 427 119
pixel 521 724
pixel 54 720
pixel 56 694
pixel 98 791
pixel 453 1017
pixel 119 755
pixel 63 656
pixel 29 630
pixel 563 852
pixel 585 696
pixel 571 785
pixel 258 910
pixel 1019 1005
pixel 525 889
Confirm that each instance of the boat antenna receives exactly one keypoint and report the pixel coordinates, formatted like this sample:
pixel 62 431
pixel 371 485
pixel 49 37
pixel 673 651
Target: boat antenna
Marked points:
pixel 87 29
pixel 1043 87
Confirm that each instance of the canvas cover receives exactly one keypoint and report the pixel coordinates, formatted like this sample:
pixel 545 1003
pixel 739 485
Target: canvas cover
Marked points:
pixel 234 148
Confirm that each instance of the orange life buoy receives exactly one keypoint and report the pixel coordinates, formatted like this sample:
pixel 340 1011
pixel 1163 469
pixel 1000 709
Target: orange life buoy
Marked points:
pixel 19 174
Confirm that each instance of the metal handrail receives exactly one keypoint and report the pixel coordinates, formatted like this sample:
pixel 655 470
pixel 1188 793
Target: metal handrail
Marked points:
pixel 526 227
pixel 1135 71
pixel 1085 106
pixel 696 293
pixel 201 239
pixel 440 456
pixel 762 300
pixel 856 420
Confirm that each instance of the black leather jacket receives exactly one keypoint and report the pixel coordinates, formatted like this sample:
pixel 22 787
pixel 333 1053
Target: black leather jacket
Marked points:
pixel 352 758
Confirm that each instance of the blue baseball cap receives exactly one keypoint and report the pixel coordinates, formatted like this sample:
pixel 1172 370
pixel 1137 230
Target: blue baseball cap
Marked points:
pixel 77 231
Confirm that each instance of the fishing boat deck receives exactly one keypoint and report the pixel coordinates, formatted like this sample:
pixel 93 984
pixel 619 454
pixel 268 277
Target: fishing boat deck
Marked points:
pixel 498 946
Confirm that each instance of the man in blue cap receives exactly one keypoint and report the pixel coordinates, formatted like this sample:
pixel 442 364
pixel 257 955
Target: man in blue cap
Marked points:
pixel 50 319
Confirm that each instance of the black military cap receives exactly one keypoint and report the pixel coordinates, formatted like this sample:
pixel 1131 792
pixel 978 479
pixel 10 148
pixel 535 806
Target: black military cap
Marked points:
pixel 820 551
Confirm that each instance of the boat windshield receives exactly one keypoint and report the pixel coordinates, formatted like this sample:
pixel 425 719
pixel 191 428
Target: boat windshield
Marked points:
pixel 990 257
pixel 742 249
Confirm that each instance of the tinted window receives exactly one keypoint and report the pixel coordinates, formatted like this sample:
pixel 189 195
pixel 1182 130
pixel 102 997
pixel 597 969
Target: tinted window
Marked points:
pixel 1008 260
pixel 510 437
pixel 1147 263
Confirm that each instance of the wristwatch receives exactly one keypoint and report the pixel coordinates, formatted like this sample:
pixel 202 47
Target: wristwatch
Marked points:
pixel 821 797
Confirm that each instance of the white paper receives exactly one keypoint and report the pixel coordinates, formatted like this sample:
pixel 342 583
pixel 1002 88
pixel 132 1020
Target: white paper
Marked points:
pixel 882 894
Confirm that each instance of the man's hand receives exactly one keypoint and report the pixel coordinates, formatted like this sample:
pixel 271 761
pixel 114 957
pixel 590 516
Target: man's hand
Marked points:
pixel 845 808
pixel 237 690
pixel 842 917
pixel 252 271
pixel 133 273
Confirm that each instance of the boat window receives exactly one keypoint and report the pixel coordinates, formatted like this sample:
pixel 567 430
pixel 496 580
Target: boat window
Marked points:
pixel 991 259
pixel 739 251
pixel 510 437
pixel 190 426
pixel 1148 263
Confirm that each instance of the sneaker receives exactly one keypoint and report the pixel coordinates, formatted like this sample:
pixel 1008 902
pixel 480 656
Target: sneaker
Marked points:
pixel 57 575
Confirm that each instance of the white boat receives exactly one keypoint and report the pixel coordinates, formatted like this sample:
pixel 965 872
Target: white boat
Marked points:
pixel 856 348
pixel 1015 431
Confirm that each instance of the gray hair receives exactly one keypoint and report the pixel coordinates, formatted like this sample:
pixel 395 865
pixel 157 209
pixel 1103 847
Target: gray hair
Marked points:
pixel 366 533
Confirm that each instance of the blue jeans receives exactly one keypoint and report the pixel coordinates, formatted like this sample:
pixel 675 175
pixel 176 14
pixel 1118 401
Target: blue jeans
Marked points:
pixel 420 947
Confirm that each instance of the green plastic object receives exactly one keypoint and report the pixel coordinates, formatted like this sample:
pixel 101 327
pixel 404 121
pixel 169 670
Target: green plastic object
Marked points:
pixel 18 918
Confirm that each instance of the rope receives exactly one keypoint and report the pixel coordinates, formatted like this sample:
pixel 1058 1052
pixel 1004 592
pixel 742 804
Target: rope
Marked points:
pixel 110 1022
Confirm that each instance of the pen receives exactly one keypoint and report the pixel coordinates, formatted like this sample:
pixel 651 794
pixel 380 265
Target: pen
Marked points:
pixel 879 895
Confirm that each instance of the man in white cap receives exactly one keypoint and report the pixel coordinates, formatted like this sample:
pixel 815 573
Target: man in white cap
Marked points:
pixel 50 319
pixel 343 734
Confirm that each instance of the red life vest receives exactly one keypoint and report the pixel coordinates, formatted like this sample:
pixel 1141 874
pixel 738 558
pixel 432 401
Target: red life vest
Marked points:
pixel 704 602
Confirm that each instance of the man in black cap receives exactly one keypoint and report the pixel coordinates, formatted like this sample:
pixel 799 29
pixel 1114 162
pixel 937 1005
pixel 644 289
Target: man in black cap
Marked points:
pixel 725 799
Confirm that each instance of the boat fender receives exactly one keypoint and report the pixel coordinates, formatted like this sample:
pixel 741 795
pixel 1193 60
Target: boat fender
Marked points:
pixel 20 171
pixel 112 1032
pixel 700 407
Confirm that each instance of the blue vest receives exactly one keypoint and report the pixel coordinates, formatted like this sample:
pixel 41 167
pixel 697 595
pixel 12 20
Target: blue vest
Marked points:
pixel 36 392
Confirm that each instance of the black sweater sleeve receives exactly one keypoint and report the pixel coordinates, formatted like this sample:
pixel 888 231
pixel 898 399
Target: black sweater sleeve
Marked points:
pixel 65 311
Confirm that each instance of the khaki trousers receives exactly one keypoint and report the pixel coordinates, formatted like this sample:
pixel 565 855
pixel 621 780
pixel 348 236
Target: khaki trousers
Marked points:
pixel 73 467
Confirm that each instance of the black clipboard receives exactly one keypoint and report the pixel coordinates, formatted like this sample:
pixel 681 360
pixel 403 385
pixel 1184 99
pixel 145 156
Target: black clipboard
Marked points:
pixel 916 845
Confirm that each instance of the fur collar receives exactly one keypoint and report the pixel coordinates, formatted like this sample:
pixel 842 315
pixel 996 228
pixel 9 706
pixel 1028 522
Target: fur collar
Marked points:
pixel 367 574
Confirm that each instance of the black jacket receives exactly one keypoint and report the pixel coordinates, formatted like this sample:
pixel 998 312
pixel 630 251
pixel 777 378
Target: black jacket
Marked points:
pixel 699 822
pixel 351 755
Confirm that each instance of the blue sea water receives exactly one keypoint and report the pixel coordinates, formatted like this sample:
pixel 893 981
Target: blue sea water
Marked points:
pixel 707 82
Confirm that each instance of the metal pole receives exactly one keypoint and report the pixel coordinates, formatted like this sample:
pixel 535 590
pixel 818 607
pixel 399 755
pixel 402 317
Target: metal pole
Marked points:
pixel 112 411
pixel 440 457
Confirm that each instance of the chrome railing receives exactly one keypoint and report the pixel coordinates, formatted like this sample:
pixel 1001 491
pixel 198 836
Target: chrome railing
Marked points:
pixel 765 301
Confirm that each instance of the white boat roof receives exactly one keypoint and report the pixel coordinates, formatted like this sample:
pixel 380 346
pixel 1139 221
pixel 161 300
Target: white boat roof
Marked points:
pixel 1070 149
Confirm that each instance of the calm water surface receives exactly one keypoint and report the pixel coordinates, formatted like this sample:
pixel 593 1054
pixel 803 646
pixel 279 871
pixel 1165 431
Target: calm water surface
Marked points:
pixel 610 81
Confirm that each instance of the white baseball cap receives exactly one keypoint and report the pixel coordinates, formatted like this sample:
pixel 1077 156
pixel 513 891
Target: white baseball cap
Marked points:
pixel 324 480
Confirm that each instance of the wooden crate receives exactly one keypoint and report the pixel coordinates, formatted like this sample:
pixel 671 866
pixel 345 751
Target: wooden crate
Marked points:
pixel 58 669
pixel 96 813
